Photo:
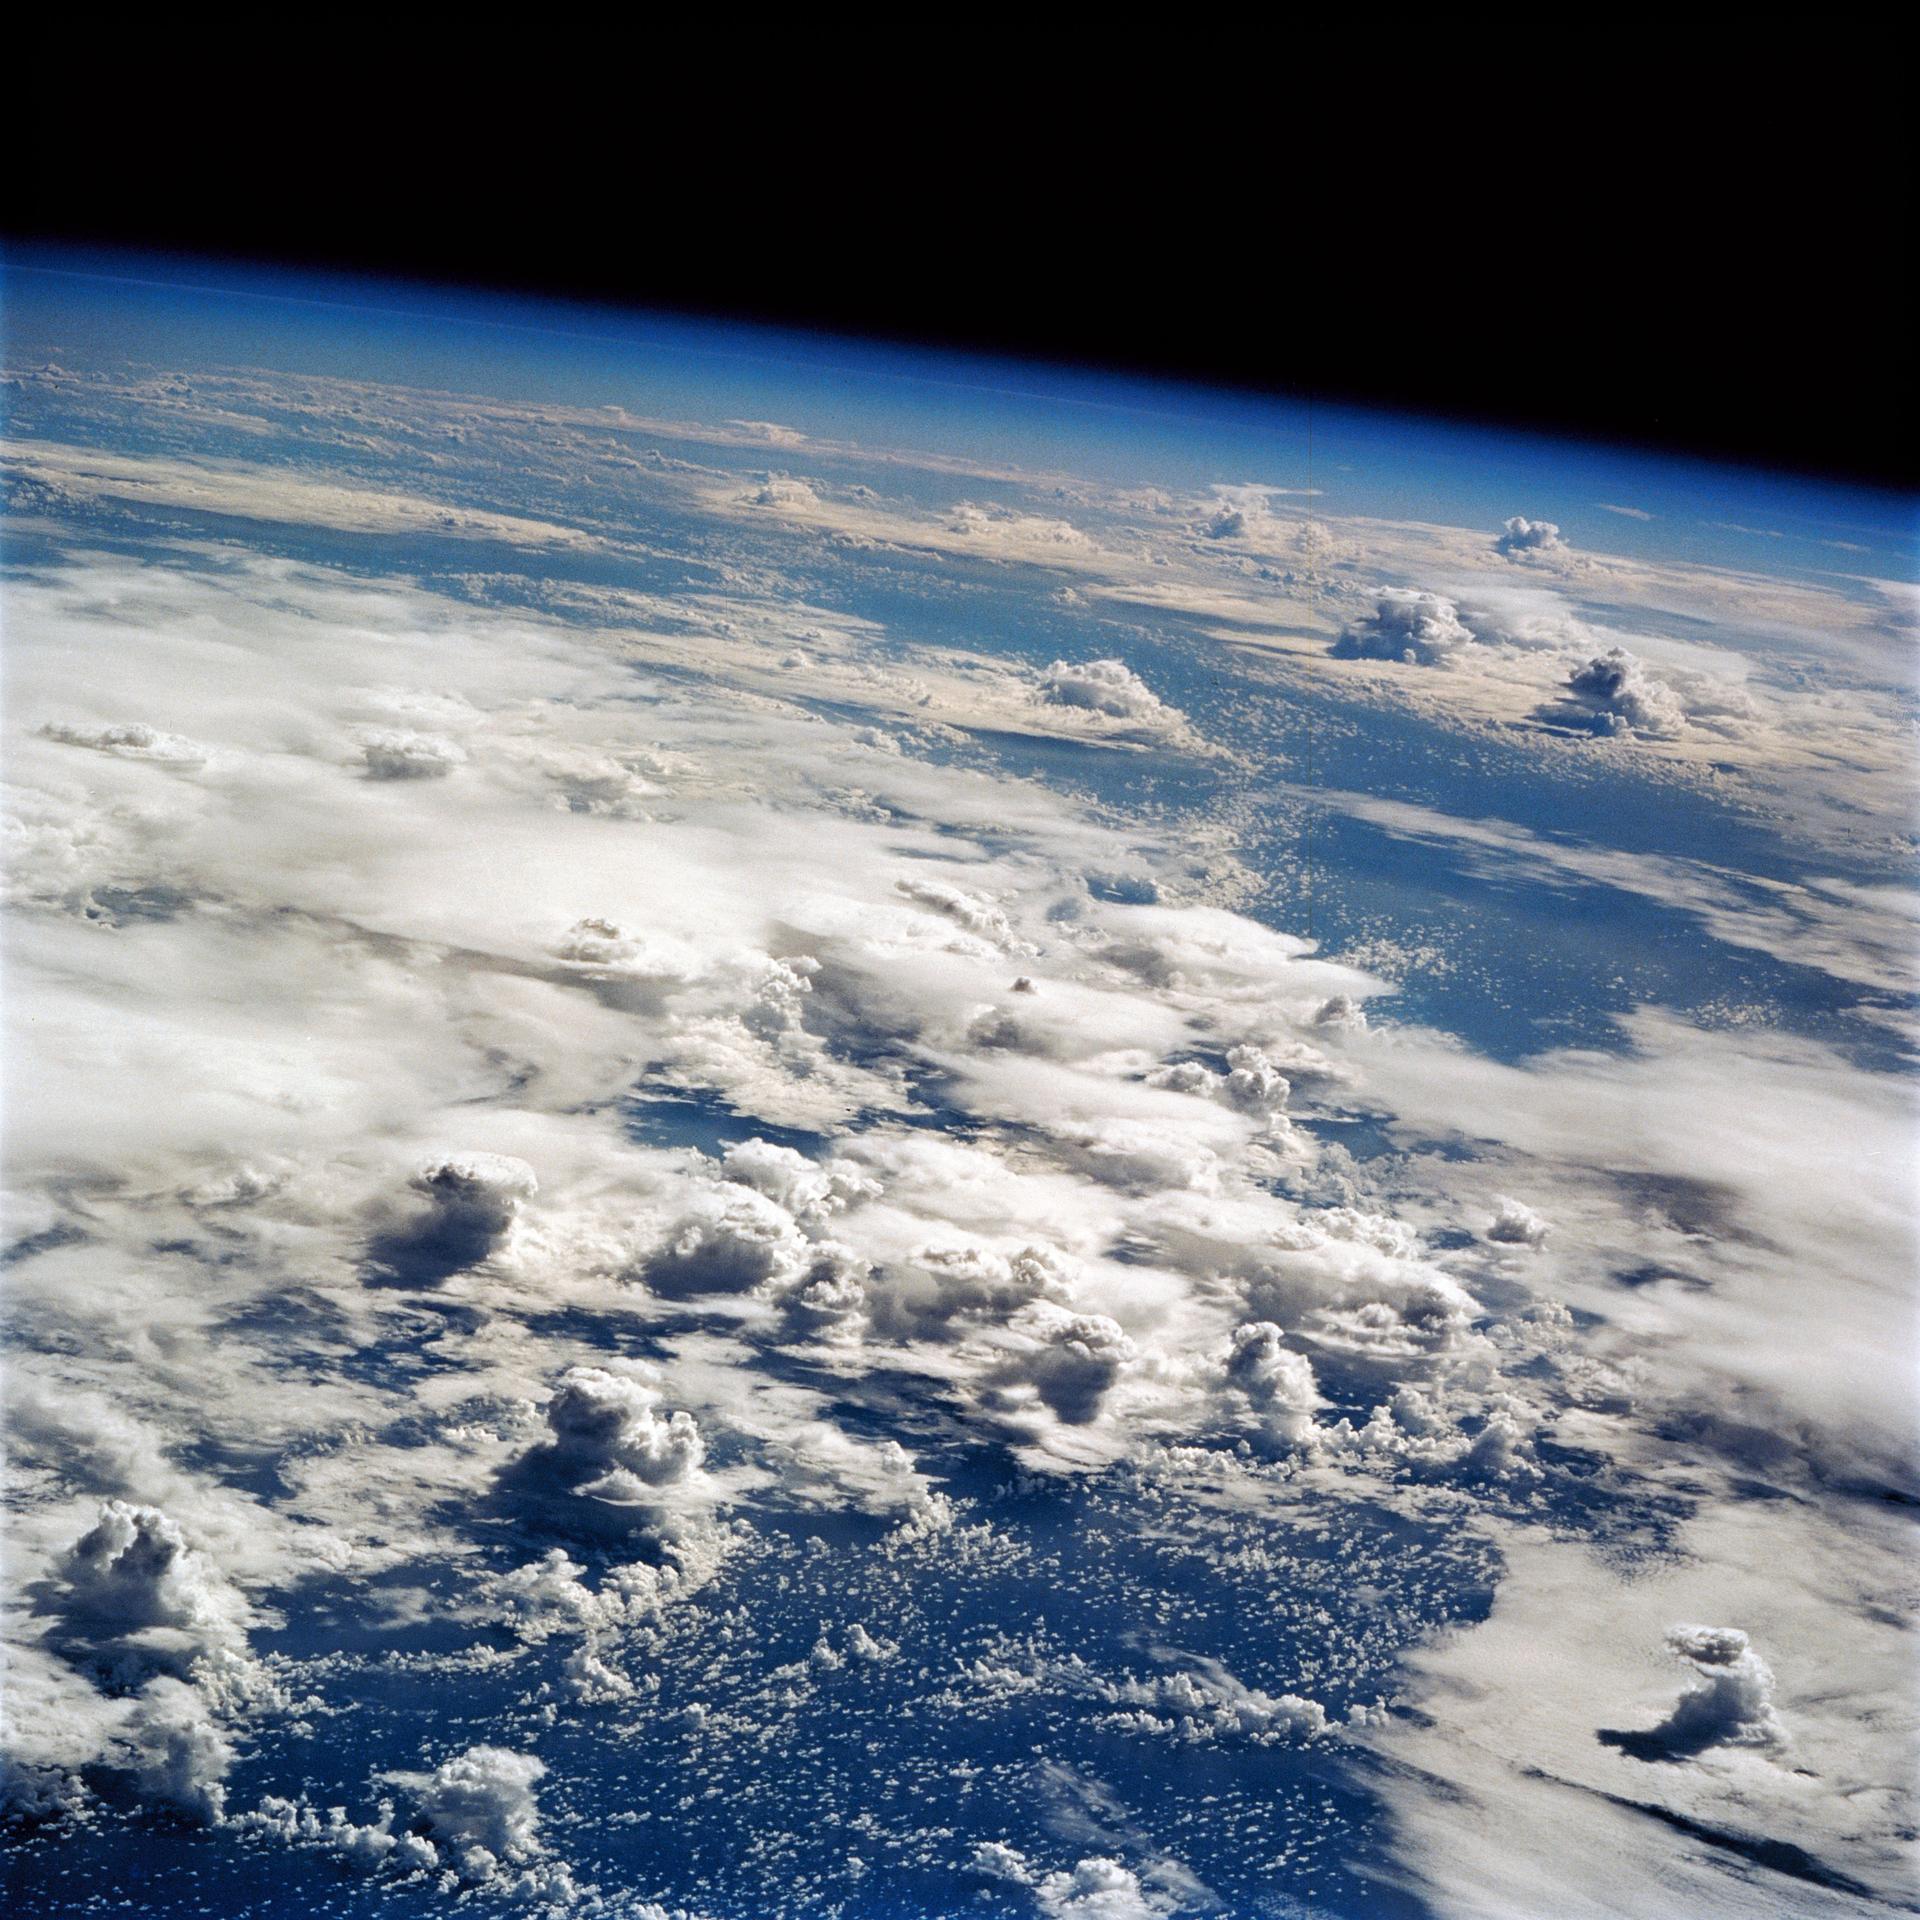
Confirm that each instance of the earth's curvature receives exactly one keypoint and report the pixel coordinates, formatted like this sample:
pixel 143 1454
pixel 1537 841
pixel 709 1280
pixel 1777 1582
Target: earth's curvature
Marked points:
pixel 797 1131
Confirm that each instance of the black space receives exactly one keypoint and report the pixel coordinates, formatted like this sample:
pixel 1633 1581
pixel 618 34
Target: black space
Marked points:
pixel 1703 245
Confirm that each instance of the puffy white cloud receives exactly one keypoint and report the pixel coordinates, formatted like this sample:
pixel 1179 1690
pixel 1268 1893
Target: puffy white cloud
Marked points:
pixel 1516 1225
pixel 1729 1705
pixel 1102 686
pixel 1252 1083
pixel 830 1299
pixel 1618 692
pixel 732 1239
pixel 480 1809
pixel 129 740
pixel 174 1752
pixel 556 1596
pixel 812 1191
pixel 134 1569
pixel 1522 536
pixel 1097 1888
pixel 1622 696
pixel 399 753
pixel 1072 1364
pixel 968 1280
pixel 1276 1384
pixel 611 1442
pixel 1423 629
pixel 1207 1704
pixel 366 1846
pixel 1018 530
pixel 782 490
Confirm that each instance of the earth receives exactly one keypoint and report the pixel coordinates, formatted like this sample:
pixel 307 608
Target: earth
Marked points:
pixel 799 1129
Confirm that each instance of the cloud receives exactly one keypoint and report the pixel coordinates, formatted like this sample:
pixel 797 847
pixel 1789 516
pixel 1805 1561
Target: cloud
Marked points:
pixel 1251 1085
pixel 1730 1705
pixel 1423 629
pixel 778 490
pixel 1018 530
pixel 130 740
pixel 1102 686
pixel 610 1442
pixel 1617 692
pixel 173 1752
pixel 1516 1225
pixel 1071 1220
pixel 1096 1889
pixel 976 915
pixel 480 1810
pixel 133 1570
pixel 472 1201
pixel 398 753
pixel 1523 536
pixel 812 1191
pixel 1621 696
pixel 1072 1364
pixel 733 1239
pixel 1277 1386
pixel 1627 513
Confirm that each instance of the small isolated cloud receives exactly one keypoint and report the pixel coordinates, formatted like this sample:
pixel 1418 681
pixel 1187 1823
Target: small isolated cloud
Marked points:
pixel 1423 629
pixel 399 753
pixel 1101 686
pixel 1523 536
pixel 130 740
pixel 778 490
pixel 1729 1705
pixel 1626 513
pixel 1515 1225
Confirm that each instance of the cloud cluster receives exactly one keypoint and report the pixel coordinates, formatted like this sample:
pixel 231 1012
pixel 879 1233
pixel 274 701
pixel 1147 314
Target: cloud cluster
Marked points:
pixel 799 1140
